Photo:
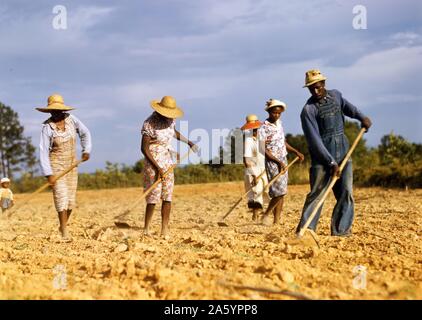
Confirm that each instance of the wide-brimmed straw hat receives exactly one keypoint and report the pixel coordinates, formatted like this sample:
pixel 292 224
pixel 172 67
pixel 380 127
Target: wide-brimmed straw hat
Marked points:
pixel 4 180
pixel 55 102
pixel 313 76
pixel 252 122
pixel 167 107
pixel 275 103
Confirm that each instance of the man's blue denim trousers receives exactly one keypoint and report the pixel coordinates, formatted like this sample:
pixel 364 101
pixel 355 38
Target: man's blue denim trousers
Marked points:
pixel 343 213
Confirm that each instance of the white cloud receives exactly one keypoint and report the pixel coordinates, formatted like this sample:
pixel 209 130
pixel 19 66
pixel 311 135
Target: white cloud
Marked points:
pixel 88 16
pixel 379 74
pixel 138 93
pixel 238 14
pixel 34 32
pixel 406 38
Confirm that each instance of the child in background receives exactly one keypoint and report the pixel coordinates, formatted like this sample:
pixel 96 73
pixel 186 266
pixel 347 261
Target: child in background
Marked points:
pixel 254 161
pixel 6 195
pixel 276 148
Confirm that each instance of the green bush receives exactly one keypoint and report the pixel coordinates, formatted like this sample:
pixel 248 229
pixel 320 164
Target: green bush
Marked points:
pixel 391 176
pixel 395 163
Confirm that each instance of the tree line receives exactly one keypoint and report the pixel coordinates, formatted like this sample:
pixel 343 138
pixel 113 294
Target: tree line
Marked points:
pixel 394 163
pixel 17 154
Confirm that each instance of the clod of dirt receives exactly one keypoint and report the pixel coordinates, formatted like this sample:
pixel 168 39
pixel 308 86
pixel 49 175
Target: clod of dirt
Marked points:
pixel 130 268
pixel 121 248
pixel 103 235
pixel 144 247
pixel 122 224
pixel 286 276
pixel 9 236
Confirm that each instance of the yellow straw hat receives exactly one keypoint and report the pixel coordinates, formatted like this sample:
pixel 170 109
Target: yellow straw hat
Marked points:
pixel 55 102
pixel 252 122
pixel 167 107
pixel 313 76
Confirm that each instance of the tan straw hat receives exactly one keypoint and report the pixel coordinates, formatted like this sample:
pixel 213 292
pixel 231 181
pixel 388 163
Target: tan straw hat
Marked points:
pixel 275 103
pixel 167 107
pixel 55 103
pixel 252 122
pixel 313 76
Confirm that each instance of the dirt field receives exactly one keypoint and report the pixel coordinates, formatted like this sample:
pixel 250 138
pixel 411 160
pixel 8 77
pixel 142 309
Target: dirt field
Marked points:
pixel 205 261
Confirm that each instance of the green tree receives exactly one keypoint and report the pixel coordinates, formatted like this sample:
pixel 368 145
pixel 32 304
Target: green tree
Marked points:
pixel 298 142
pixel 361 154
pixel 17 154
pixel 396 149
pixel 139 166
pixel 234 146
pixel 232 150
pixel 30 159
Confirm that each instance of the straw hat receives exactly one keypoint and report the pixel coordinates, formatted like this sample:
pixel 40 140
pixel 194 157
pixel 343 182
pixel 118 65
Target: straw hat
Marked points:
pixel 3 180
pixel 275 103
pixel 167 107
pixel 313 76
pixel 252 122
pixel 55 102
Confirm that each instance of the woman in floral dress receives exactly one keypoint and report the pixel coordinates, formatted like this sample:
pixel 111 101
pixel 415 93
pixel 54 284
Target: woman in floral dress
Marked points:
pixel 157 133
pixel 276 148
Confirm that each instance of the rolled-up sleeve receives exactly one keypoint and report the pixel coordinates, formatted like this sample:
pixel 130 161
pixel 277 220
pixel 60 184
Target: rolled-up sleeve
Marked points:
pixel 313 137
pixel 45 140
pixel 84 135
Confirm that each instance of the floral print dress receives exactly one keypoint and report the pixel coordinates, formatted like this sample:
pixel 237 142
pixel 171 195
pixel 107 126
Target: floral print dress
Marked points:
pixel 161 131
pixel 273 135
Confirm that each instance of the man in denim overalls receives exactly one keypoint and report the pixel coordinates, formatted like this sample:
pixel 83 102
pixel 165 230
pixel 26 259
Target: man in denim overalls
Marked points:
pixel 322 120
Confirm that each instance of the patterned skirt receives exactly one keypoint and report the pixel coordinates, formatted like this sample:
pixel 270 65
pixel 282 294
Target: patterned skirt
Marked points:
pixel 279 187
pixel 164 190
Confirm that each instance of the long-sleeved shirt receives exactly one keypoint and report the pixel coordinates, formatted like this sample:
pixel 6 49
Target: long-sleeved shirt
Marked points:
pixel 254 155
pixel 323 126
pixel 46 143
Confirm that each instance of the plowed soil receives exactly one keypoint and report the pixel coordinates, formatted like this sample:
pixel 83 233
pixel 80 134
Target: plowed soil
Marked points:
pixel 202 260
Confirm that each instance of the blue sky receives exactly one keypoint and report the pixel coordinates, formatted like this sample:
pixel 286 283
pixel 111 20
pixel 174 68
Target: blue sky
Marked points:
pixel 221 60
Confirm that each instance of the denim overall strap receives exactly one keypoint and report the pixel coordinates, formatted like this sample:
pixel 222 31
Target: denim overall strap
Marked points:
pixel 331 127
